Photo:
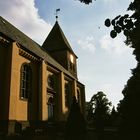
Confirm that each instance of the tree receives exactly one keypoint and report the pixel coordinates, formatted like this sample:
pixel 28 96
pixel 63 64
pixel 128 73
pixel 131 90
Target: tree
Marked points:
pixel 114 118
pixel 86 1
pixel 128 108
pixel 99 109
pixel 76 124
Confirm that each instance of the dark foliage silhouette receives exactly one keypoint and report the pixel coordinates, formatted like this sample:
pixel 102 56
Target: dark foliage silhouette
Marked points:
pixel 99 112
pixel 86 1
pixel 128 108
pixel 128 24
pixel 75 125
pixel 114 119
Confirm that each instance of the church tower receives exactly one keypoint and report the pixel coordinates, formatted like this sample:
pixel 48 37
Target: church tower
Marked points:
pixel 57 45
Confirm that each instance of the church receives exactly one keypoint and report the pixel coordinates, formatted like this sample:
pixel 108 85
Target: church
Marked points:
pixel 37 83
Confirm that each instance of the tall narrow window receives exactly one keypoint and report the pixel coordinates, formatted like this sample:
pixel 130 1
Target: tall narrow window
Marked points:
pixel 25 83
pixel 51 82
pixel 51 108
pixel 67 94
pixel 72 63
pixel 78 97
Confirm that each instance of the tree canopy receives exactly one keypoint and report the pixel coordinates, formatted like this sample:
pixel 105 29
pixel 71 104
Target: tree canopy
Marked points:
pixel 86 1
pixel 128 24
pixel 100 103
pixel 98 109
pixel 129 107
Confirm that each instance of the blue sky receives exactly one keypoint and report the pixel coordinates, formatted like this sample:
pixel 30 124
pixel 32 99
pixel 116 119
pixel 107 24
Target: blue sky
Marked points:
pixel 103 63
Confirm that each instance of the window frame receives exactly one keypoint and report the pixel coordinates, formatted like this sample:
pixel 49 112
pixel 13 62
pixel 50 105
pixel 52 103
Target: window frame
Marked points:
pixel 51 108
pixel 67 94
pixel 25 81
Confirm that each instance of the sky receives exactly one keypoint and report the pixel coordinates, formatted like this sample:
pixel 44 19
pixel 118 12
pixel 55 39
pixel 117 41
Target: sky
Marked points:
pixel 104 64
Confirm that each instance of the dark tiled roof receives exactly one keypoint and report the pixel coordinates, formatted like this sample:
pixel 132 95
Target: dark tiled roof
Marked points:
pixel 56 34
pixel 14 34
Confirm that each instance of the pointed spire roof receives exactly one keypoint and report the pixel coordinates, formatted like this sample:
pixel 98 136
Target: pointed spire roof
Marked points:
pixel 56 40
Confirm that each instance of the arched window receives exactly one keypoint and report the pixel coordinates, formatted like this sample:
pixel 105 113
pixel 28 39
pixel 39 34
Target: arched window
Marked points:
pixel 26 81
pixel 78 96
pixel 72 62
pixel 51 82
pixel 67 94
pixel 50 108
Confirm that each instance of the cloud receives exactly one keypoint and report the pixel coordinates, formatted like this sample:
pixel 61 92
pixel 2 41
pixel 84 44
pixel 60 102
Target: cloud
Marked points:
pixel 24 15
pixel 113 92
pixel 87 44
pixel 116 46
pixel 109 1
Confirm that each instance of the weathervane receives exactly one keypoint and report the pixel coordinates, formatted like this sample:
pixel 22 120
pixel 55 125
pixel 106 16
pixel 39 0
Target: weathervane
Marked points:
pixel 56 13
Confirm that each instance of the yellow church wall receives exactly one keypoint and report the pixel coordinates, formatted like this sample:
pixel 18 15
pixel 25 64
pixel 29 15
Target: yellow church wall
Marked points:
pixel 72 91
pixel 75 88
pixel 64 109
pixel 43 93
pixel 15 103
pixel 37 108
pixel 21 109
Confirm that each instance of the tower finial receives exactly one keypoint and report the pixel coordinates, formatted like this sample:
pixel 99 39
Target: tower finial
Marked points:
pixel 56 14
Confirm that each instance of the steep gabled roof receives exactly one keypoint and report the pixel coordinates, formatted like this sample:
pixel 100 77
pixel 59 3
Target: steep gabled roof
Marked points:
pixel 56 40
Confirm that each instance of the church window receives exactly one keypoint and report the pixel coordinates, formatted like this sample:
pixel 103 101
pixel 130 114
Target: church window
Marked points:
pixel 78 97
pixel 51 108
pixel 71 63
pixel 71 58
pixel 51 82
pixel 25 85
pixel 67 94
